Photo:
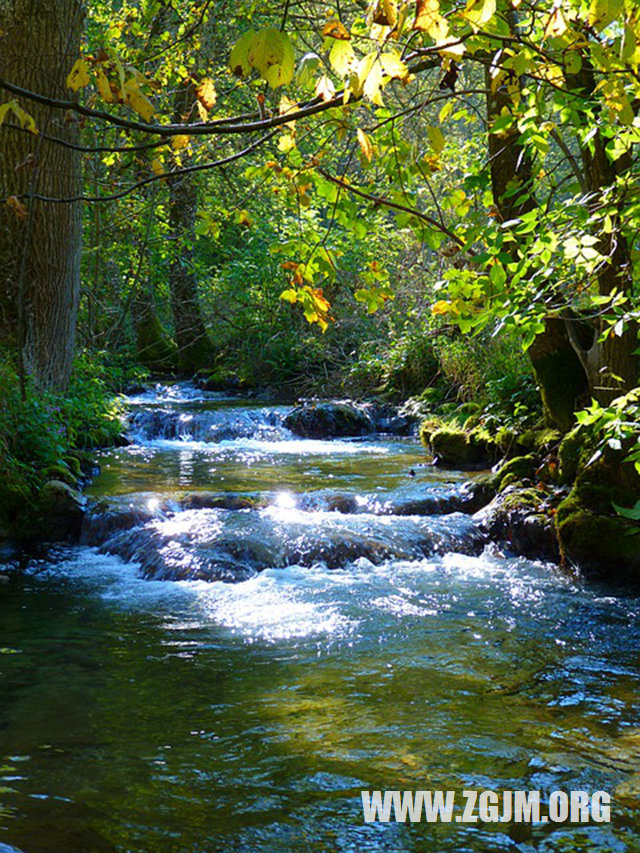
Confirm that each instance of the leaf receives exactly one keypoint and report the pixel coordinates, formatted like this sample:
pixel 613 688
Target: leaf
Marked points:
pixel 242 217
pixel 440 308
pixel 479 12
pixel 103 86
pixel 386 13
pixel 78 77
pixel 271 54
pixel 429 20
pixel 365 145
pixel 342 58
pixel 290 295
pixel 179 142
pixel 18 208
pixel 137 100
pixel 370 78
pixel 633 513
pixel 206 93
pixel 393 66
pixel 335 29
pixel 307 68
pixel 604 12
pixel 157 167
pixel 239 59
pixel 4 109
pixel 436 138
pixel 556 24
pixel 325 88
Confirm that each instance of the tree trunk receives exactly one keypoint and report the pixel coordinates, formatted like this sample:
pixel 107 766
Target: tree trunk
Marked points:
pixel 611 364
pixel 195 349
pixel 40 241
pixel 558 369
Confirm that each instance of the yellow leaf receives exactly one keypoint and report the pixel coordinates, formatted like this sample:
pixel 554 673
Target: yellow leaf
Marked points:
pixel 556 24
pixel 18 208
pixel 451 49
pixel 429 20
pixel 290 295
pixel 370 78
pixel 103 86
pixel 285 107
pixel 604 12
pixel 78 77
pixel 394 66
pixel 242 218
pixel 286 143
pixel 335 29
pixel 202 113
pixel 441 307
pixel 342 58
pixel 206 93
pixel 137 100
pixel 436 138
pixel 479 12
pixel 325 88
pixel 179 142
pixel 385 13
pixel 365 145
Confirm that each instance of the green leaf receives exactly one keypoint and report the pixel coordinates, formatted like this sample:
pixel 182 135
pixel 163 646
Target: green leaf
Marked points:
pixel 271 53
pixel 239 59
pixel 436 138
pixel 633 512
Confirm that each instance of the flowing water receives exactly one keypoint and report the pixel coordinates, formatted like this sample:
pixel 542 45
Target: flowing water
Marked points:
pixel 145 706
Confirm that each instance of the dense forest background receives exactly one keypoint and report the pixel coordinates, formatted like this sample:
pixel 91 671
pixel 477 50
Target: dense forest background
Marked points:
pixel 429 200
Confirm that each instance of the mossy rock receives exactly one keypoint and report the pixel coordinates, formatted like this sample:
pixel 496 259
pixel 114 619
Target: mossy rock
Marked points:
pixel 602 545
pixel 522 518
pixel 455 448
pixel 518 468
pixel 540 440
pixel 60 511
pixel 427 429
pixel 73 464
pixel 570 453
pixel 62 472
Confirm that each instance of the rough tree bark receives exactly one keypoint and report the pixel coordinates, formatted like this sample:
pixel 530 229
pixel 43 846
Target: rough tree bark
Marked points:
pixel 195 349
pixel 556 365
pixel 40 241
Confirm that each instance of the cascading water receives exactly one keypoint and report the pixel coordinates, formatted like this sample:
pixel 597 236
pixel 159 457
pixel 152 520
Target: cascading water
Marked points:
pixel 366 637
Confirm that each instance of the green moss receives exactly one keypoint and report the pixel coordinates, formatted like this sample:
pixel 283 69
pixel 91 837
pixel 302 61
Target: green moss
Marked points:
pixel 73 463
pixel 572 447
pixel 518 468
pixel 156 350
pixel 454 447
pixel 60 472
pixel 602 543
pixel 540 440
pixel 427 428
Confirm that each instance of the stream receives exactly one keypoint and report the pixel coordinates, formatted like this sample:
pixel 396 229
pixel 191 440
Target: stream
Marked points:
pixel 257 627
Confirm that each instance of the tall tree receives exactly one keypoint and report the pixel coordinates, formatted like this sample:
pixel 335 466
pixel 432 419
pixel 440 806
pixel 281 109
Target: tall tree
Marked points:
pixel 40 240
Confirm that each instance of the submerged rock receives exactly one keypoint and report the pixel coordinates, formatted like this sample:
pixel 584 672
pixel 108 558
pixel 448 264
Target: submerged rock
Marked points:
pixel 231 545
pixel 344 418
pixel 522 517
pixel 329 420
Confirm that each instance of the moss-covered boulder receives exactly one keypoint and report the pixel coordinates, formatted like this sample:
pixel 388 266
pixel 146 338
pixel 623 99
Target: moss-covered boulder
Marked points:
pixel 522 518
pixel 60 510
pixel 453 447
pixel 592 534
pixel 517 469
